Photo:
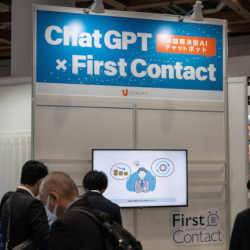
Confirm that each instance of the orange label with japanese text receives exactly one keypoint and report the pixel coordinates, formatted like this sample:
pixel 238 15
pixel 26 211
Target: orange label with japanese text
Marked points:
pixel 186 45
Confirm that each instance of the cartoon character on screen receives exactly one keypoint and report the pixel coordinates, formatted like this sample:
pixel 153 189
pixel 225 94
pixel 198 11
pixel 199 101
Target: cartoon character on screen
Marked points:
pixel 142 181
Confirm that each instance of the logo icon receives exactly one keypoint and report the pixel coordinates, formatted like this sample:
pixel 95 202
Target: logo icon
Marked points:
pixel 162 167
pixel 212 219
pixel 125 92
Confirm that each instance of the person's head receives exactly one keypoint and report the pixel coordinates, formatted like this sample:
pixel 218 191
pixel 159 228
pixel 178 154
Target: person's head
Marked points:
pixel 32 174
pixel 95 180
pixel 141 173
pixel 57 191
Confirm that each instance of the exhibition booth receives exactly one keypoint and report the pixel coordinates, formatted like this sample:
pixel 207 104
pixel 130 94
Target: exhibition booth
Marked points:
pixel 144 98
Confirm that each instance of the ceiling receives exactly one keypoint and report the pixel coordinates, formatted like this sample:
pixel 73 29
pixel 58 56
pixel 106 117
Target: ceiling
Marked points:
pixel 236 12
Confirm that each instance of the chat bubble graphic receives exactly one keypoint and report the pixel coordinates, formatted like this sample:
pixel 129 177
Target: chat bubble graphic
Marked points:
pixel 189 45
pixel 162 167
pixel 120 171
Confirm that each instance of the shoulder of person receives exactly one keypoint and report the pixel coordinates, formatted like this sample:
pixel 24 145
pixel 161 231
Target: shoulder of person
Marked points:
pixel 22 194
pixel 73 218
pixel 21 198
pixel 244 213
pixel 35 204
pixel 111 203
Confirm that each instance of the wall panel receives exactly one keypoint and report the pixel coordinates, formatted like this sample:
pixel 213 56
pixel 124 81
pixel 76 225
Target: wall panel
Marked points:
pixel 71 132
pixel 202 133
pixel 65 133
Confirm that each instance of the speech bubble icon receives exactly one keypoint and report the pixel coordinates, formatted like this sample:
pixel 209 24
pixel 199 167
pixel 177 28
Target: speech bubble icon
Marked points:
pixel 163 167
pixel 120 171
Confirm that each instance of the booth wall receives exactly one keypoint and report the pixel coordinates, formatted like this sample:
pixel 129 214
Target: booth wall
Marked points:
pixel 238 144
pixel 239 66
pixel 239 56
pixel 4 67
pixel 15 131
pixel 238 46
pixel 15 108
pixel 78 124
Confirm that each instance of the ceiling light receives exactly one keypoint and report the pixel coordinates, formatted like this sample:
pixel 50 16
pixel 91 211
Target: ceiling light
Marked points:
pixel 97 6
pixel 197 11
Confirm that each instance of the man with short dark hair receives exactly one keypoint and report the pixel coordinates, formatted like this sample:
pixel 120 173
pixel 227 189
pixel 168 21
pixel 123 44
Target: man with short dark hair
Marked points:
pixel 72 230
pixel 95 184
pixel 240 239
pixel 23 216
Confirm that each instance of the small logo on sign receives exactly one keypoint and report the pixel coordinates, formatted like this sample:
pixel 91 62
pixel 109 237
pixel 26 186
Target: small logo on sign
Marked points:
pixel 202 228
pixel 125 92
pixel 212 219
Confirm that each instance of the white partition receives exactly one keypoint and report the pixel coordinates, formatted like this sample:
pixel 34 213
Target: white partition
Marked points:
pixel 15 129
pixel 201 132
pixel 78 130
pixel 238 144
pixel 67 128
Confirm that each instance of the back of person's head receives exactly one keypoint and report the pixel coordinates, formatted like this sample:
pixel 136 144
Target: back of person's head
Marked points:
pixel 95 180
pixel 61 183
pixel 57 191
pixel 32 172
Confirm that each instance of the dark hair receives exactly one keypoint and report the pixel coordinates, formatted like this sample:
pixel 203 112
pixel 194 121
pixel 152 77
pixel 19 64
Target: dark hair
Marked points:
pixel 141 169
pixel 95 180
pixel 32 172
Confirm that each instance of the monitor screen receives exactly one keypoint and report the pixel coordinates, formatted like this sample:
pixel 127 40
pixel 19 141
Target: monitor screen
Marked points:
pixel 144 178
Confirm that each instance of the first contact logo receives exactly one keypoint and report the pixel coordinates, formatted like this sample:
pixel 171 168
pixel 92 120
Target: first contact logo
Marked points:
pixel 203 228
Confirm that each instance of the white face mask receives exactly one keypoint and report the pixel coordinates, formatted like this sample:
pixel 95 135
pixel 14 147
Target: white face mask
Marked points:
pixel 51 215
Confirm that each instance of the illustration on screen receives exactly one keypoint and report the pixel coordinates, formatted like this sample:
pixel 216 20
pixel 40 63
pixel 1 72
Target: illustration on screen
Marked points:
pixel 141 181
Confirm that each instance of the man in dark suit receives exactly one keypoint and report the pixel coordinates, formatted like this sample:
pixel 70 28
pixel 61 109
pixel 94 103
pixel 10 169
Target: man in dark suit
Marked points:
pixel 95 184
pixel 72 230
pixel 23 214
pixel 3 200
pixel 240 237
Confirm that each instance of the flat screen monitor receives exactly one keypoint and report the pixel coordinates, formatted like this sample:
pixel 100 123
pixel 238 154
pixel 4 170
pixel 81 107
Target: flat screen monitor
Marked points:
pixel 144 178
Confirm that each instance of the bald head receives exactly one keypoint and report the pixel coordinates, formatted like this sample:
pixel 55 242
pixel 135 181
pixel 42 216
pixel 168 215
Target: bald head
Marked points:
pixel 60 189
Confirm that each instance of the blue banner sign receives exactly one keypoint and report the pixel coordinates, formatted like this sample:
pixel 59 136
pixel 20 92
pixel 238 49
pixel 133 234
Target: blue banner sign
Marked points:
pixel 87 49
